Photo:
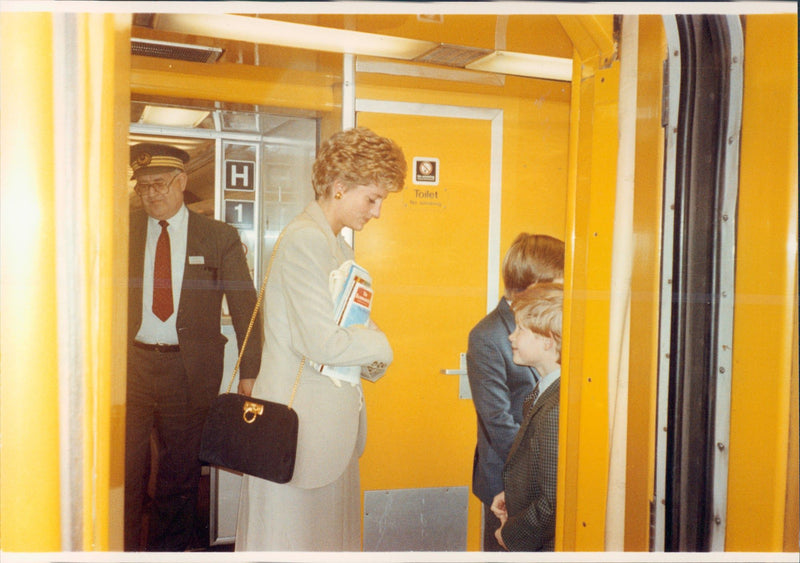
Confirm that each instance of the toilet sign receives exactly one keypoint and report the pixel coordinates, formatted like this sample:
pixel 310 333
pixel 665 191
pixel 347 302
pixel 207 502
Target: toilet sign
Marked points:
pixel 426 192
pixel 426 171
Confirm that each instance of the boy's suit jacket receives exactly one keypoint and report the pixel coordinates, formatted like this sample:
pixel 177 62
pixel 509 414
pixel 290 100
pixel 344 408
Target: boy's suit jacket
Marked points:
pixel 530 477
pixel 223 271
pixel 499 386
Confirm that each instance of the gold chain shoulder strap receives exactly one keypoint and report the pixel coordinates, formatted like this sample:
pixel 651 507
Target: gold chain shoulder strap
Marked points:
pixel 253 320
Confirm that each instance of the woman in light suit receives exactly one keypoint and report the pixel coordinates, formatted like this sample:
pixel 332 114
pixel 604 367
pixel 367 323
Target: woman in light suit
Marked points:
pixel 319 509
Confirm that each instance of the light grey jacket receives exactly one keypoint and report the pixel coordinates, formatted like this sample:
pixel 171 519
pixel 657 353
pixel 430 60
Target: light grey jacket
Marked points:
pixel 299 321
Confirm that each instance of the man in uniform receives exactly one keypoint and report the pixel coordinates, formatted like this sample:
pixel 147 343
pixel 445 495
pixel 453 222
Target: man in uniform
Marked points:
pixel 181 265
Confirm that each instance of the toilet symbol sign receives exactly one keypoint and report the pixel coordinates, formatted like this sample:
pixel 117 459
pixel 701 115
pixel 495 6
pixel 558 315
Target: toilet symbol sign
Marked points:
pixel 426 191
pixel 426 171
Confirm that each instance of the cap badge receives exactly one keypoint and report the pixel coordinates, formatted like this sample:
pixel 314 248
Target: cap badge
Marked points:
pixel 143 159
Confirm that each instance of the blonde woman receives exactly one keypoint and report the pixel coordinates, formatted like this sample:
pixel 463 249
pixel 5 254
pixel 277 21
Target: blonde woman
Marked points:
pixel 319 509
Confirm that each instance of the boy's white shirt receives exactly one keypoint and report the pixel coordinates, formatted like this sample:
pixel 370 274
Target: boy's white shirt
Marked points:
pixel 547 381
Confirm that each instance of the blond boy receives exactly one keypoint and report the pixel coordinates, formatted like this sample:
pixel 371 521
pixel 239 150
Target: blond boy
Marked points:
pixel 527 505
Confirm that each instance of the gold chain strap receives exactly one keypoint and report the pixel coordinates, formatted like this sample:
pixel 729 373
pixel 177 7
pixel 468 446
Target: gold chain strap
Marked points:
pixel 252 322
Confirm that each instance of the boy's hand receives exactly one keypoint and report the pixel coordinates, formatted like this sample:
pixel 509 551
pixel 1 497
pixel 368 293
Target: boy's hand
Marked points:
pixel 499 507
pixel 498 534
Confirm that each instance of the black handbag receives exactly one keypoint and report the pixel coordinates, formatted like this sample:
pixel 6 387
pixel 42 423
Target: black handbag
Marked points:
pixel 250 435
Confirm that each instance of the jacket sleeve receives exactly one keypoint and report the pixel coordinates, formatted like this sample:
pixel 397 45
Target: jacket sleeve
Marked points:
pixel 533 528
pixel 486 370
pixel 240 295
pixel 305 266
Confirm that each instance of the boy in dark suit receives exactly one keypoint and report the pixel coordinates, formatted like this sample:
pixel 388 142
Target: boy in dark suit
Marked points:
pixel 526 507
pixel 498 385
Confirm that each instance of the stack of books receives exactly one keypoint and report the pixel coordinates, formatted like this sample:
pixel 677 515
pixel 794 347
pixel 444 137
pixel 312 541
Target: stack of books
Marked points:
pixel 351 289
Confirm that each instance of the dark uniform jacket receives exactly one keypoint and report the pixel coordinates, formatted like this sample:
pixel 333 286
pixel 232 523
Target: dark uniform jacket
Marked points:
pixel 224 271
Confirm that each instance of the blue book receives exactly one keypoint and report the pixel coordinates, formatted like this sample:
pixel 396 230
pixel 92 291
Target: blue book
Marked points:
pixel 351 290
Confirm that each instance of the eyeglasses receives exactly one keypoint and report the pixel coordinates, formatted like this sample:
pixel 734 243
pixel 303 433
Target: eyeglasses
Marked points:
pixel 160 186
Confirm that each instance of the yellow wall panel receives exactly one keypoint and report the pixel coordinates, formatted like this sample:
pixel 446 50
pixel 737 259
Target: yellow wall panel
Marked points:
pixel 765 313
pixel 29 408
pixel 105 108
pixel 228 82
pixel 645 284
pixel 535 140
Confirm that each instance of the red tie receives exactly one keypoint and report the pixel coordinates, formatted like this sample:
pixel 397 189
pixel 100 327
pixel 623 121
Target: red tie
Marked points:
pixel 162 276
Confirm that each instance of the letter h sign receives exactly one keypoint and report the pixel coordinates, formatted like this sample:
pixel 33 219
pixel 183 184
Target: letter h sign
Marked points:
pixel 239 175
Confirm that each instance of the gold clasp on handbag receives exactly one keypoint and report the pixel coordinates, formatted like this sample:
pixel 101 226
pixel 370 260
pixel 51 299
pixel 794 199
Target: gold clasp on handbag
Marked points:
pixel 251 411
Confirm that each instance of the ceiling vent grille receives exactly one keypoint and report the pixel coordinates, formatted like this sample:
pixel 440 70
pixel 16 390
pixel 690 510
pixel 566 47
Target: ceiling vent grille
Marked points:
pixel 176 51
pixel 453 55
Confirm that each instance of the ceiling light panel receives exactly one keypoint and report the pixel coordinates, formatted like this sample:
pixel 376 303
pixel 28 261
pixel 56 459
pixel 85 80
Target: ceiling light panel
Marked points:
pixel 172 117
pixel 300 36
pixel 522 64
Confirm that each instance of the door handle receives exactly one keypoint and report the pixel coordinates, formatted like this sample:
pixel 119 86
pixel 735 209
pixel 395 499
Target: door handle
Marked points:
pixel 464 392
pixel 462 366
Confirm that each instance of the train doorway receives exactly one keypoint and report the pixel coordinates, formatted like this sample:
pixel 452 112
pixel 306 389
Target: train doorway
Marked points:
pixel 249 169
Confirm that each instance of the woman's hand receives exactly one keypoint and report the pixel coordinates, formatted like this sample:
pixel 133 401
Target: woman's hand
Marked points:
pixel 246 386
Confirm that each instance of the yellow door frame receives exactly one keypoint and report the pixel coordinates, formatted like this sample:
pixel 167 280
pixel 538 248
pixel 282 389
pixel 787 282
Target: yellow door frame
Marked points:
pixel 584 439
pixel 62 179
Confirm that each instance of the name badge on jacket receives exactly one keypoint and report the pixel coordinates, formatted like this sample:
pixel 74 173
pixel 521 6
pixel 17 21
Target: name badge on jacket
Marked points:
pixel 197 260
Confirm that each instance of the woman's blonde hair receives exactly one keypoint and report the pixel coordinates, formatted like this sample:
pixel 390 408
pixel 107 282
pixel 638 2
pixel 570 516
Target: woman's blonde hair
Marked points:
pixel 538 309
pixel 532 259
pixel 358 156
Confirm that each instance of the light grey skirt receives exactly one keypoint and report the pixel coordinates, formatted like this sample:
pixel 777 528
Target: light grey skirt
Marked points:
pixel 275 517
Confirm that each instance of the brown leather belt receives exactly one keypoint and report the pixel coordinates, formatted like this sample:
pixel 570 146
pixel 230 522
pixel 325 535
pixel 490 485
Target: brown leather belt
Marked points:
pixel 163 348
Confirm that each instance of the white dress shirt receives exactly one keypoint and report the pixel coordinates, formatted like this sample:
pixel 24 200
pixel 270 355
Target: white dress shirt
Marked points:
pixel 153 330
